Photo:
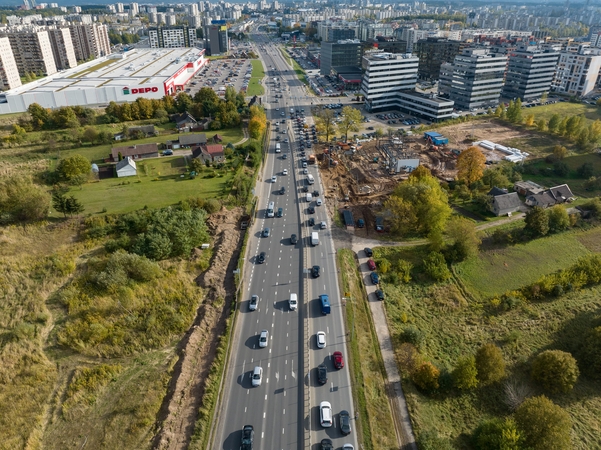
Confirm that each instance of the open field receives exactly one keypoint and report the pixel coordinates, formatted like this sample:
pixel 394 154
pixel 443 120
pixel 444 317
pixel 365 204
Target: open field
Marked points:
pixel 258 73
pixel 300 73
pixel 456 320
pixel 590 112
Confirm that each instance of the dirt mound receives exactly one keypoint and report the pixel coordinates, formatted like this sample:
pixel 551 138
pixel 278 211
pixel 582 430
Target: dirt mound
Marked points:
pixel 197 348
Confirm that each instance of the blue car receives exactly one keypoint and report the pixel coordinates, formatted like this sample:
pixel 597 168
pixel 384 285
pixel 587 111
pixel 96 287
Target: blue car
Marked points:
pixel 375 279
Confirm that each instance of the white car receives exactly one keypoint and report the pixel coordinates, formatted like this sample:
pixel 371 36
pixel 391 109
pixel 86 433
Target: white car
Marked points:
pixel 274 179
pixel 257 376
pixel 323 225
pixel 325 414
pixel 318 202
pixel 305 171
pixel 321 339
pixel 263 339
pixel 285 172
pixel 254 302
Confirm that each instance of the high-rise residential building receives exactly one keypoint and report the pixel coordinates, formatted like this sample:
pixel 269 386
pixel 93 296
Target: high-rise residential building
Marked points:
pixel 62 48
pixel 119 7
pixel 134 9
pixel 577 70
pixel 9 73
pixel 172 37
pixel 193 9
pixel 474 79
pixel 171 20
pixel 432 53
pixel 90 40
pixel 530 72
pixel 345 53
pixel 384 76
pixel 218 39
pixel 32 51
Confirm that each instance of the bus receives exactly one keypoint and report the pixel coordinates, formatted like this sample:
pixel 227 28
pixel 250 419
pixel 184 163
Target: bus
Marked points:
pixel 310 179
pixel 270 208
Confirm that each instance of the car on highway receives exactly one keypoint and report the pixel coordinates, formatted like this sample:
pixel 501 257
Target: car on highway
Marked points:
pixel 285 156
pixel 282 190
pixel 368 252
pixel 280 212
pixel 253 303
pixel 315 193
pixel 322 374
pixel 375 279
pixel 326 444
pixel 345 422
pixel 321 339
pixel 348 447
pixel 338 360
pixel 263 338
pixel 305 188
pixel 323 225
pixel 325 414
pixel 266 232
pixel 311 210
pixel 315 271
pixel 380 294
pixel 311 222
pixel 305 171
pixel 318 202
pixel 274 179
pixel 248 437
pixel 261 257
pixel 285 172
pixel 257 376
pixel 293 239
pixel 371 264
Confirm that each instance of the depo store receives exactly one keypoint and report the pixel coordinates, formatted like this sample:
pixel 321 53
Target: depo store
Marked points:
pixel 119 77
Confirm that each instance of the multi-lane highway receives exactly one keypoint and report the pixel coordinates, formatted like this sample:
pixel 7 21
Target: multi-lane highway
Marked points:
pixel 284 409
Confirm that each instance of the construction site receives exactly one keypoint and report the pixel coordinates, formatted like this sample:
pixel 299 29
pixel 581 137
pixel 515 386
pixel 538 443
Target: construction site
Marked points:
pixel 359 176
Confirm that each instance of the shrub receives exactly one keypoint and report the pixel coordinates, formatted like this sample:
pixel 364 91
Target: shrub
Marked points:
pixel 558 219
pixel 122 267
pixel 515 392
pixel 87 381
pixel 404 270
pixel 543 424
pixel 555 370
pixel 430 440
pixel 436 268
pixel 497 434
pixel 490 363
pixel 586 170
pixel 384 265
pixel 589 355
pixel 465 375
pixel 560 169
pixel 426 377
pixel 536 222
pixel 413 335
pixel 409 357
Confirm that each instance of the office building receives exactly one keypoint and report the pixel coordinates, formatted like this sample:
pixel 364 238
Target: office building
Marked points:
pixel 9 73
pixel 331 33
pixel 341 53
pixel 32 51
pixel 384 76
pixel 474 79
pixel 426 106
pixel 388 44
pixel 218 39
pixel 172 37
pixel 90 40
pixel 529 73
pixel 62 48
pixel 432 53
pixel 577 70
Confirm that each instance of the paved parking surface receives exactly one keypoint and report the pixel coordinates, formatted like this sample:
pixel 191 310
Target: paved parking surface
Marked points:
pixel 221 74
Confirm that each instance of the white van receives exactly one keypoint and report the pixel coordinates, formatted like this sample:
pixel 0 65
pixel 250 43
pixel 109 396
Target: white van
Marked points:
pixel 293 302
pixel 278 148
pixel 309 197
pixel 310 179
pixel 314 238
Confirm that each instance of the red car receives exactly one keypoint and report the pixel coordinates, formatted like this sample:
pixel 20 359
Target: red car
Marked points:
pixel 338 360
pixel 371 264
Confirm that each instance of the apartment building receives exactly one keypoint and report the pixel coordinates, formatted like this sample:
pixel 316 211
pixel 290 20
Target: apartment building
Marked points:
pixel 341 53
pixel 172 37
pixel 31 50
pixel 432 53
pixel 577 70
pixel 384 76
pixel 9 74
pixel 62 48
pixel 219 42
pixel 90 40
pixel 474 79
pixel 530 72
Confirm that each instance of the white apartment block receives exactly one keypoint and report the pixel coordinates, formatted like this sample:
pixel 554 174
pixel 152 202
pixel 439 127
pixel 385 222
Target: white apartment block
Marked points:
pixel 62 48
pixel 9 73
pixel 577 71
pixel 171 19
pixel 119 7
pixel 385 75
pixel 172 37
pixel 134 9
pixel 32 51
pixel 90 40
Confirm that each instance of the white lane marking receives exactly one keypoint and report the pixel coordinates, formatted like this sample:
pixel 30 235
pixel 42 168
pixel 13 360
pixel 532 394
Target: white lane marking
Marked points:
pixel 264 414
pixel 265 396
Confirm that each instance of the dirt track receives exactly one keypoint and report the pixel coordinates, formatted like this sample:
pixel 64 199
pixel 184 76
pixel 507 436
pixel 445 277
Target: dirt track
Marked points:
pixel 197 349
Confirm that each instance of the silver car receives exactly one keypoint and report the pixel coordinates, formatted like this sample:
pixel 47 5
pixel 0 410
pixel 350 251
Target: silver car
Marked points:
pixel 263 338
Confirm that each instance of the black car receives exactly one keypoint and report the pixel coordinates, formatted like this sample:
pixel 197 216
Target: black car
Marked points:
pixel 322 374
pixel 345 422
pixel 285 156
pixel 380 294
pixel 248 436
pixel 368 252
pixel 261 258
pixel 315 193
pixel 311 210
pixel 305 188
pixel 293 239
pixel 311 222
pixel 326 444
pixel 315 271
pixel 282 190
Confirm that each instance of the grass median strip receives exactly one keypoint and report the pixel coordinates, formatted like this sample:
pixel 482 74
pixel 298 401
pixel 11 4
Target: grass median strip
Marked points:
pixel 375 428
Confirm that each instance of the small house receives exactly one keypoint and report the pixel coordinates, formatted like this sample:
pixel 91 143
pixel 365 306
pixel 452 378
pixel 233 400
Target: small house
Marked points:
pixel 192 140
pixel 550 197
pixel 136 151
pixel 217 139
pixel 143 130
pixel 527 188
pixel 202 154
pixel 504 203
pixel 126 168
pixel 184 121
pixel 216 152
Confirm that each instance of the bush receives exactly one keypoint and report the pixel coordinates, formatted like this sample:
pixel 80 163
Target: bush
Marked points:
pixel 384 265
pixel 122 267
pixel 543 424
pixel 556 371
pixel 497 434
pixel 409 357
pixel 413 335
pixel 515 392
pixel 586 170
pixel 426 377
pixel 465 375
pixel 22 200
pixel 435 267
pixel 589 355
pixel 536 222
pixel 558 219
pixel 404 269
pixel 560 169
pixel 490 364
pixel 430 440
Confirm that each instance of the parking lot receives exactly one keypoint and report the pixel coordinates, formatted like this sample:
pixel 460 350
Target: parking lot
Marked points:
pixel 219 74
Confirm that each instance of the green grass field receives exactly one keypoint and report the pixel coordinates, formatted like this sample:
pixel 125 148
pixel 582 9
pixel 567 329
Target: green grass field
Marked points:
pixel 258 74
pixel 158 184
pixel 454 325
pixel 300 72
pixel 590 112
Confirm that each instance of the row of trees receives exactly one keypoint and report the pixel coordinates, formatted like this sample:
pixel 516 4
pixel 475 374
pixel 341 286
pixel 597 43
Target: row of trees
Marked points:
pixel 257 122
pixel 326 123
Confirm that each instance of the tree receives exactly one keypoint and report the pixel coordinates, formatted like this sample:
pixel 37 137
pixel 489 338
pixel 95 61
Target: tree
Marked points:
pixel 384 265
pixel 465 374
pixel 529 120
pixel 161 115
pixel 21 200
pixel 426 377
pixel 325 123
pixel 573 126
pixel 470 165
pixel 464 239
pixel 536 222
pixel 350 118
pixel 594 131
pixel 589 355
pixel 559 220
pixel 555 370
pixel 499 111
pixel 490 364
pixel 66 205
pixel 435 267
pixel 544 97
pixel 40 117
pixel 90 135
pixel 543 424
pixel 553 124
pixel 497 434
pixel 541 125
pixel 378 134
pixel 560 168
pixel 560 152
pixel 73 166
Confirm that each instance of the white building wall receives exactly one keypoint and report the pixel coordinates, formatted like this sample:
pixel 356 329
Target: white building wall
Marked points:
pixel 9 73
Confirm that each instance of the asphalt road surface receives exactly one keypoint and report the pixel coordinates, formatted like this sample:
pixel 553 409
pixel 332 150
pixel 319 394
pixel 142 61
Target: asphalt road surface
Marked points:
pixel 284 409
